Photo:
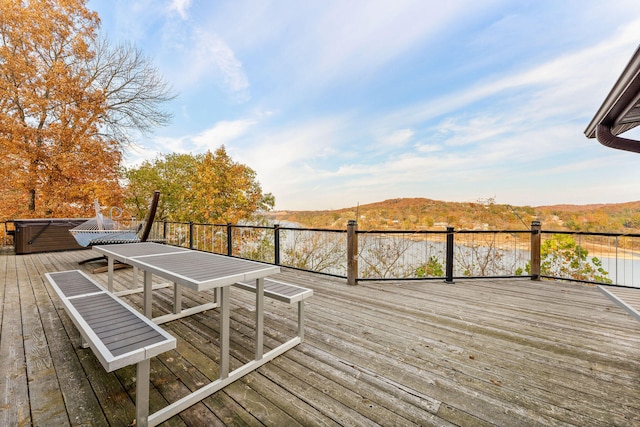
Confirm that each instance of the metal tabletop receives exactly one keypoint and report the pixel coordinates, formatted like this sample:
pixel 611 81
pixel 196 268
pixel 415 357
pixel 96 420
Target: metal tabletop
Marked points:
pixel 201 270
pixel 128 250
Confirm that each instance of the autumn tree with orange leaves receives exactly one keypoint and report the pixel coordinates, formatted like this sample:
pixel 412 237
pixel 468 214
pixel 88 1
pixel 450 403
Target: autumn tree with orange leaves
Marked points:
pixel 68 104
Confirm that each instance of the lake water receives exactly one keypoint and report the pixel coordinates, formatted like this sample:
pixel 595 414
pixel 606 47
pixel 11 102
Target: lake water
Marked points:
pixel 623 271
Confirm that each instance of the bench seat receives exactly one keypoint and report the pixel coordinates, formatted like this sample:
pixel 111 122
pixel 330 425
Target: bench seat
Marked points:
pixel 627 298
pixel 284 292
pixel 118 335
pixel 278 290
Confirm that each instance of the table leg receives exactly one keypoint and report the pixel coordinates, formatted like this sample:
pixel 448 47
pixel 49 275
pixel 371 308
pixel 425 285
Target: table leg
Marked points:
pixel 135 277
pixel 147 294
pixel 259 318
pixel 110 270
pixel 225 324
pixel 301 320
pixel 142 392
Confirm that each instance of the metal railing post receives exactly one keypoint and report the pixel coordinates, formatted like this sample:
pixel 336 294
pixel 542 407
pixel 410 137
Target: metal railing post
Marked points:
pixel 617 246
pixel 229 239
pixel 276 244
pixel 190 234
pixel 352 252
pixel 449 267
pixel 164 230
pixel 535 249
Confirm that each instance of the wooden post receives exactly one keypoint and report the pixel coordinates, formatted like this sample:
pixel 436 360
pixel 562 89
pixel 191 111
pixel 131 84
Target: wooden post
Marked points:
pixel 535 249
pixel 449 266
pixel 352 252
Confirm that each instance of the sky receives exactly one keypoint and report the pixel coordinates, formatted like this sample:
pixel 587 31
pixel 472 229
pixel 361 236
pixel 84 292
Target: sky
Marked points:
pixel 335 103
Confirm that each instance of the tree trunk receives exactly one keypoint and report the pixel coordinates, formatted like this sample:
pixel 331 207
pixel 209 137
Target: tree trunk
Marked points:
pixel 32 200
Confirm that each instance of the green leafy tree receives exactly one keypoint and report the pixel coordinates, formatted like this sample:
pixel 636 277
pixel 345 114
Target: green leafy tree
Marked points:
pixel 207 188
pixel 172 175
pixel 562 257
pixel 433 268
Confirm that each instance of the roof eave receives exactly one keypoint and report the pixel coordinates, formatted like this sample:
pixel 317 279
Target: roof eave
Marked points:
pixel 621 99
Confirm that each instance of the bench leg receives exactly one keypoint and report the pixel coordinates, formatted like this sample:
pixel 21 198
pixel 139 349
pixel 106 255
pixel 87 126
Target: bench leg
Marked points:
pixel 259 318
pixel 110 273
pixel 142 393
pixel 147 294
pixel 177 299
pixel 301 320
pixel 84 341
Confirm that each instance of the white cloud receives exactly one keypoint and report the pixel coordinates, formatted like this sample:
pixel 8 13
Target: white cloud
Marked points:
pixel 398 138
pixel 352 39
pixel 563 85
pixel 210 57
pixel 457 131
pixel 427 148
pixel 287 156
pixel 222 133
pixel 181 7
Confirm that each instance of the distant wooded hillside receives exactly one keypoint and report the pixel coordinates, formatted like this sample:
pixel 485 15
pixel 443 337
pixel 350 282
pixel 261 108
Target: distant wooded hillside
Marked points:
pixel 421 213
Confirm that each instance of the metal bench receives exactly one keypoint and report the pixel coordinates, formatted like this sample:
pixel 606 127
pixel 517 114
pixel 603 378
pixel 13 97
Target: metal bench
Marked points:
pixel 627 298
pixel 118 335
pixel 284 292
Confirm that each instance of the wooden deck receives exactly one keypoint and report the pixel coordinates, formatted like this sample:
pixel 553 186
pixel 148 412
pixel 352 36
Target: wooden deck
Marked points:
pixel 473 353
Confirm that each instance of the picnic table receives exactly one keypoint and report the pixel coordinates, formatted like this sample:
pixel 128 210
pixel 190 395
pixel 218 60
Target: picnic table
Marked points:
pixel 200 271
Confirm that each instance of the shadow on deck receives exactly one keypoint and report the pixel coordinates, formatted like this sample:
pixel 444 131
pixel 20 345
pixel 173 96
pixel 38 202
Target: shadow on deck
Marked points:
pixel 478 352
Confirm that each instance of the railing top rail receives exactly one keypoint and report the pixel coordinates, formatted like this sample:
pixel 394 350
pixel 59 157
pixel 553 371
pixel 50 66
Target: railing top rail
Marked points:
pixel 327 230
pixel 259 227
pixel 462 231
pixel 443 231
pixel 402 232
pixel 493 231
pixel 590 233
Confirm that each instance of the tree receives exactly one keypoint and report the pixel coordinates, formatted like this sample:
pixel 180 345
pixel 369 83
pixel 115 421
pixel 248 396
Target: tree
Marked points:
pixel 562 257
pixel 383 257
pixel 207 188
pixel 68 102
pixel 227 191
pixel 315 251
pixel 432 268
pixel 171 174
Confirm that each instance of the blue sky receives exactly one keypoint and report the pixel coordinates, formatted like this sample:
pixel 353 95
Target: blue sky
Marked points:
pixel 340 102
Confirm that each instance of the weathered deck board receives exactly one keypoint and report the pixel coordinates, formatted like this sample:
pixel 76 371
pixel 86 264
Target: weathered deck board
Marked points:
pixel 483 352
pixel 15 407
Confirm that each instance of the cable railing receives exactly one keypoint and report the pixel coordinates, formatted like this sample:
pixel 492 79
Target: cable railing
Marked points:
pixel 480 253
pixel 366 255
pixel 604 258
pixel 388 255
